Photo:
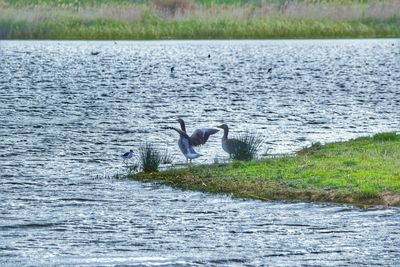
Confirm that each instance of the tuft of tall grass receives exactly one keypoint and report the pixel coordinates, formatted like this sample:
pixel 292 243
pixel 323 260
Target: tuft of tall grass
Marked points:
pixel 248 146
pixel 150 158
pixel 386 137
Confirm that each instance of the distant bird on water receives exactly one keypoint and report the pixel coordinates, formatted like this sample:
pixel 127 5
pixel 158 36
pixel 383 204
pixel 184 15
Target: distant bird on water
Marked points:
pixel 199 136
pixel 172 69
pixel 229 145
pixel 185 145
pixel 269 70
pixel 127 155
pixel 209 55
pixel 95 53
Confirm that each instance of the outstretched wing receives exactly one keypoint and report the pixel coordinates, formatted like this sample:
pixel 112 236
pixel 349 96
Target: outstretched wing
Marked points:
pixel 200 136
pixel 181 133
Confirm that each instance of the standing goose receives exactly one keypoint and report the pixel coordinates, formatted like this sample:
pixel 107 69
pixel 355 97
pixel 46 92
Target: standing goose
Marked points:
pixel 185 145
pixel 199 136
pixel 230 145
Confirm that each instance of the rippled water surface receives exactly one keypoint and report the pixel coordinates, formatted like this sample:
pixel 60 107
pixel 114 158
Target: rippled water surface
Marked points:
pixel 66 116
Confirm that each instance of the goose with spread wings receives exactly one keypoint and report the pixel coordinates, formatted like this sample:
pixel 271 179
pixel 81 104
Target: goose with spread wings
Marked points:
pixel 200 136
pixel 185 145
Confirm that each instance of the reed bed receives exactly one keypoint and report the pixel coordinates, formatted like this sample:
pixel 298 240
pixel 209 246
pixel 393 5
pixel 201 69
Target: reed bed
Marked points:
pixel 189 19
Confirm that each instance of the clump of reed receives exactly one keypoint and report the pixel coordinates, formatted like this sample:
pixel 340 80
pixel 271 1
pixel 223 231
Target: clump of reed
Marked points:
pixel 383 137
pixel 150 158
pixel 247 147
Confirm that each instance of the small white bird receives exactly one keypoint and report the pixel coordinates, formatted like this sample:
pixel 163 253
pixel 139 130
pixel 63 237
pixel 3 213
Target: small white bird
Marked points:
pixel 127 155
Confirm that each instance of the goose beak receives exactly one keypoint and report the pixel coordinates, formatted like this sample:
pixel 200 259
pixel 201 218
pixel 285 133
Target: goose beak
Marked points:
pixel 219 126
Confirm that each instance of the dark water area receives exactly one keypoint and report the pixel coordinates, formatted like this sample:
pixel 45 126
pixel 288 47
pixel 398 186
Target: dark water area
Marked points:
pixel 66 117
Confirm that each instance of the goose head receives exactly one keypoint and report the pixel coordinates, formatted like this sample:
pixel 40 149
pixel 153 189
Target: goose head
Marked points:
pixel 223 126
pixel 226 130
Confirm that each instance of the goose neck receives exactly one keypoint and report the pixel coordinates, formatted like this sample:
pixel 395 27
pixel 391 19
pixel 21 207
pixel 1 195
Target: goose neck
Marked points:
pixel 183 127
pixel 226 130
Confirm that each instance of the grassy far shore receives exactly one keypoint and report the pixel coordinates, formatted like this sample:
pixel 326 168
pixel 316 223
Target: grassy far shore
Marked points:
pixel 201 19
pixel 363 172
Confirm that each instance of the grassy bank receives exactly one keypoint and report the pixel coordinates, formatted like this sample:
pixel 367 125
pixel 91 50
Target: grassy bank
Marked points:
pixel 363 171
pixel 189 19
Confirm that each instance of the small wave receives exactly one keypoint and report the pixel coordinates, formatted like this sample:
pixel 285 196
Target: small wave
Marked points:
pixel 29 225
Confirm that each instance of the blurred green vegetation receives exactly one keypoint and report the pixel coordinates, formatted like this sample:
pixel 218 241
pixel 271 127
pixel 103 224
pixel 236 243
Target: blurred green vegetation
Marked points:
pixel 202 19
pixel 62 3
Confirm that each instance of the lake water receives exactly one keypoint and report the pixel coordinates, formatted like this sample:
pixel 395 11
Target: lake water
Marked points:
pixel 66 117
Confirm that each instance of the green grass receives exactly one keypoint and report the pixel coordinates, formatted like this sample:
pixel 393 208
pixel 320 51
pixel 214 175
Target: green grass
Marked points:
pixel 127 2
pixel 140 20
pixel 155 28
pixel 363 171
pixel 150 158
pixel 248 147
